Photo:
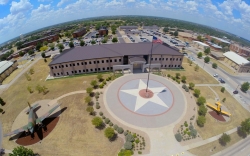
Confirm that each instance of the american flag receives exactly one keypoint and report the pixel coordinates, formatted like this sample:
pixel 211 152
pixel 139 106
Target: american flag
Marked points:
pixel 156 40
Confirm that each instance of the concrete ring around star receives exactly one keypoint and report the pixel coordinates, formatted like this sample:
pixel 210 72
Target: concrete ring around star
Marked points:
pixel 155 100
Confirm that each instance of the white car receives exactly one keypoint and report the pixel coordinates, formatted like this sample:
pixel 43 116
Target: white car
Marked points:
pixel 215 75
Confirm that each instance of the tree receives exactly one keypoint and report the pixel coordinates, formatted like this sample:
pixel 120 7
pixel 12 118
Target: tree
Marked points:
pixel 29 89
pixel 178 137
pixel 130 138
pixel 224 139
pixel 190 62
pixel 100 77
pixel 191 85
pixel 93 83
pixel 245 86
pixel 128 145
pixel 199 38
pixel 21 151
pixel 87 99
pixel 109 132
pixel 114 40
pixel 2 102
pixel 202 110
pixel 124 152
pixel 89 90
pixel 196 68
pixel 197 93
pixel 39 88
pixel 43 48
pixel 199 55
pixel 43 54
pixel 31 71
pixel 206 59
pixel 222 89
pixel 245 126
pixel 177 75
pixel 90 109
pixel 71 44
pixel 166 29
pixel 97 121
pixel 60 46
pixel 183 79
pixel 207 51
pixel 82 43
pixel 30 52
pixel 21 53
pixel 201 121
pixel 201 100
pixel 38 46
pixel 214 65
pixel 93 42
pixel 176 33
pixel 45 60
pixel 45 43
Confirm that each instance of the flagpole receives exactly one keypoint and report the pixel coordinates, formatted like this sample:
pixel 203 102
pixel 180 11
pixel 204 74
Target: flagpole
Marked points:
pixel 149 64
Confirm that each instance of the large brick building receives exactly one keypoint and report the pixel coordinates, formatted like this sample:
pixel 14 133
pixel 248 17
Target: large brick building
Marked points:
pixel 49 39
pixel 104 57
pixel 79 32
pixel 245 51
pixel 103 31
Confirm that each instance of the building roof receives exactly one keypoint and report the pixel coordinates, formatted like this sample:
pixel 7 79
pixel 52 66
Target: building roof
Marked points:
pixel 103 28
pixel 112 50
pixel 128 27
pixel 151 27
pixel 217 54
pixel 220 39
pixel 79 30
pixel 201 43
pixel 5 65
pixel 235 58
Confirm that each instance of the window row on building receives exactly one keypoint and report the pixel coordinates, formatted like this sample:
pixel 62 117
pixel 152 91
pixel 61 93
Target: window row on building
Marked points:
pixel 162 59
pixel 85 63
pixel 83 71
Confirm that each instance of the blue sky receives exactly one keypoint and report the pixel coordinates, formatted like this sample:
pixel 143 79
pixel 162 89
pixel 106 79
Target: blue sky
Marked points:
pixel 22 16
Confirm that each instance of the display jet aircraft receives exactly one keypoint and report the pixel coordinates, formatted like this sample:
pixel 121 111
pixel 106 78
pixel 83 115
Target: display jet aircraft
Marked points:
pixel 33 120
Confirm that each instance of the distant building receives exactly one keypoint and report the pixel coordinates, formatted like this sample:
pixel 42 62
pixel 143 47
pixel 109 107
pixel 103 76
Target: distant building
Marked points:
pixel 103 31
pixel 214 46
pixel 153 27
pixel 50 39
pixel 217 55
pixel 218 40
pixel 132 32
pixel 25 50
pixel 200 45
pixel 237 62
pixel 244 51
pixel 128 27
pixel 79 32
pixel 6 68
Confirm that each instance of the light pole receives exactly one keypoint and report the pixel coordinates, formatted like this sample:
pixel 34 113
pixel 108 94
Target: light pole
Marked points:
pixel 237 87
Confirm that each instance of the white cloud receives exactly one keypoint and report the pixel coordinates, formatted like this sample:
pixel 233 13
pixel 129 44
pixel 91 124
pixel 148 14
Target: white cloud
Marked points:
pixel 2 2
pixel 113 3
pixel 130 1
pixel 41 8
pixel 62 2
pixel 22 6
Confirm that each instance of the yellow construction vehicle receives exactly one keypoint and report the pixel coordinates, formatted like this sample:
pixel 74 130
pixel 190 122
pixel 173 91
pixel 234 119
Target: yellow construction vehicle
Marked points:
pixel 218 108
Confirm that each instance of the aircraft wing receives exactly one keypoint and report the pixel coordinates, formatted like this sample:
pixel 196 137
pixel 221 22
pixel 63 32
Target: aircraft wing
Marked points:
pixel 211 106
pixel 226 113
pixel 41 118
pixel 32 107
pixel 24 128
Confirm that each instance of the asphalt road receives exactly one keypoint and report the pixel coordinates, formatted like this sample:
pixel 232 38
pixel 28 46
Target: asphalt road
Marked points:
pixel 119 37
pixel 232 82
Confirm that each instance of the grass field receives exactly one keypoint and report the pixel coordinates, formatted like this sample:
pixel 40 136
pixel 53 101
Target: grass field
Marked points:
pixel 197 77
pixel 12 76
pixel 212 127
pixel 208 149
pixel 17 96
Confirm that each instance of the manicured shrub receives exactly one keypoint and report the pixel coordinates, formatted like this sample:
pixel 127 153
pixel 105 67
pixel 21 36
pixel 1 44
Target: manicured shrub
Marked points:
pixel 120 130
pixel 201 101
pixel 107 120
pixel 115 127
pixel 222 89
pixel 110 124
pixel 129 138
pixel 193 132
pixel 97 103
pixel 109 132
pixel 187 90
pixel 101 86
pixel 101 113
pixel 103 117
pixel 97 106
pixel 125 133
pixel 137 141
pixel 178 137
pixel 169 75
pixel 184 86
pixel 201 121
pixel 139 152
pixel 128 145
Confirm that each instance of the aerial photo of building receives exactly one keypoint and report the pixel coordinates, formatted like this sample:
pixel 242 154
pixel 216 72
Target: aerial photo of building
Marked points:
pixel 237 62
pixel 6 68
pixel 79 32
pixel 104 57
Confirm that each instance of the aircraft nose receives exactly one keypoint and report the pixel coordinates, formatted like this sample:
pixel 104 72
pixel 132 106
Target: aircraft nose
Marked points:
pixel 31 130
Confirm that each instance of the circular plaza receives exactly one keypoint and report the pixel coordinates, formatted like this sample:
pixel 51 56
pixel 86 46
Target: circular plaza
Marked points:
pixel 160 104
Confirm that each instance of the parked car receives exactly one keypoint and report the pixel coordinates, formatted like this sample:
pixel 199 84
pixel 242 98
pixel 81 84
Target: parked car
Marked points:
pixel 215 75
pixel 235 92
pixel 221 80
